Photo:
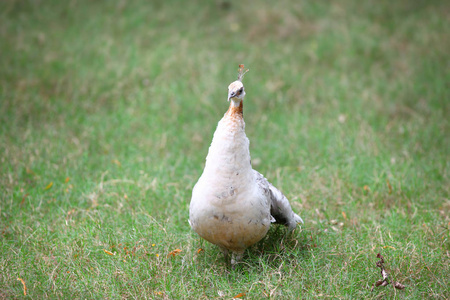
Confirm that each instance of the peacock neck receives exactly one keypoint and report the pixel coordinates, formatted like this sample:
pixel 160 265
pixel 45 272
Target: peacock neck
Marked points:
pixel 229 150
pixel 235 111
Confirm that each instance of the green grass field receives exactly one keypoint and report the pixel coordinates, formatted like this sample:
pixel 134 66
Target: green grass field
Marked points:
pixel 107 110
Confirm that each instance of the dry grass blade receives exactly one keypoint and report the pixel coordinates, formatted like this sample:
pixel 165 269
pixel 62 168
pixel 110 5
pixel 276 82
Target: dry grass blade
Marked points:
pixel 24 286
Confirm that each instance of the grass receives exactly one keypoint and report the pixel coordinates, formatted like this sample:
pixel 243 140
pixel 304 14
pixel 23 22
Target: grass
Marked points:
pixel 107 110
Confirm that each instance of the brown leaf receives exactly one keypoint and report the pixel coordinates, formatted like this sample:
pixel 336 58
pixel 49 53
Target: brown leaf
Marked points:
pixel 240 295
pixel 384 283
pixel 389 186
pixel 108 252
pixel 398 285
pixel 174 252
pixel 29 171
pixel 380 257
pixel 389 247
pixel 116 162
pixel 379 282
pixel 23 199
pixel 49 186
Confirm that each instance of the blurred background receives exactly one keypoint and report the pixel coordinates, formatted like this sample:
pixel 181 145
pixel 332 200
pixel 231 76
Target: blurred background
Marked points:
pixel 107 109
pixel 335 85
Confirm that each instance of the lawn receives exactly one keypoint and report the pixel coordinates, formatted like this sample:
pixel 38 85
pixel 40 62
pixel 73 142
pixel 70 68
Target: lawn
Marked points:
pixel 107 110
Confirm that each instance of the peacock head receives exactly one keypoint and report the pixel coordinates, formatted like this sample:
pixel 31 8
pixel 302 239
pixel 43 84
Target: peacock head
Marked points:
pixel 236 90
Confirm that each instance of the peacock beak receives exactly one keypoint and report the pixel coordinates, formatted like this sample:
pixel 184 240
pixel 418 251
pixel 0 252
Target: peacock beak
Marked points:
pixel 231 94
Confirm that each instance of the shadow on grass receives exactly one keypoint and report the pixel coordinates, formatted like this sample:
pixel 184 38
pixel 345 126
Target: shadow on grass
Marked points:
pixel 279 247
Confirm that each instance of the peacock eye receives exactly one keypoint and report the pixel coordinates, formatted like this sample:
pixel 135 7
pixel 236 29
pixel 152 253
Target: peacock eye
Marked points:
pixel 240 90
